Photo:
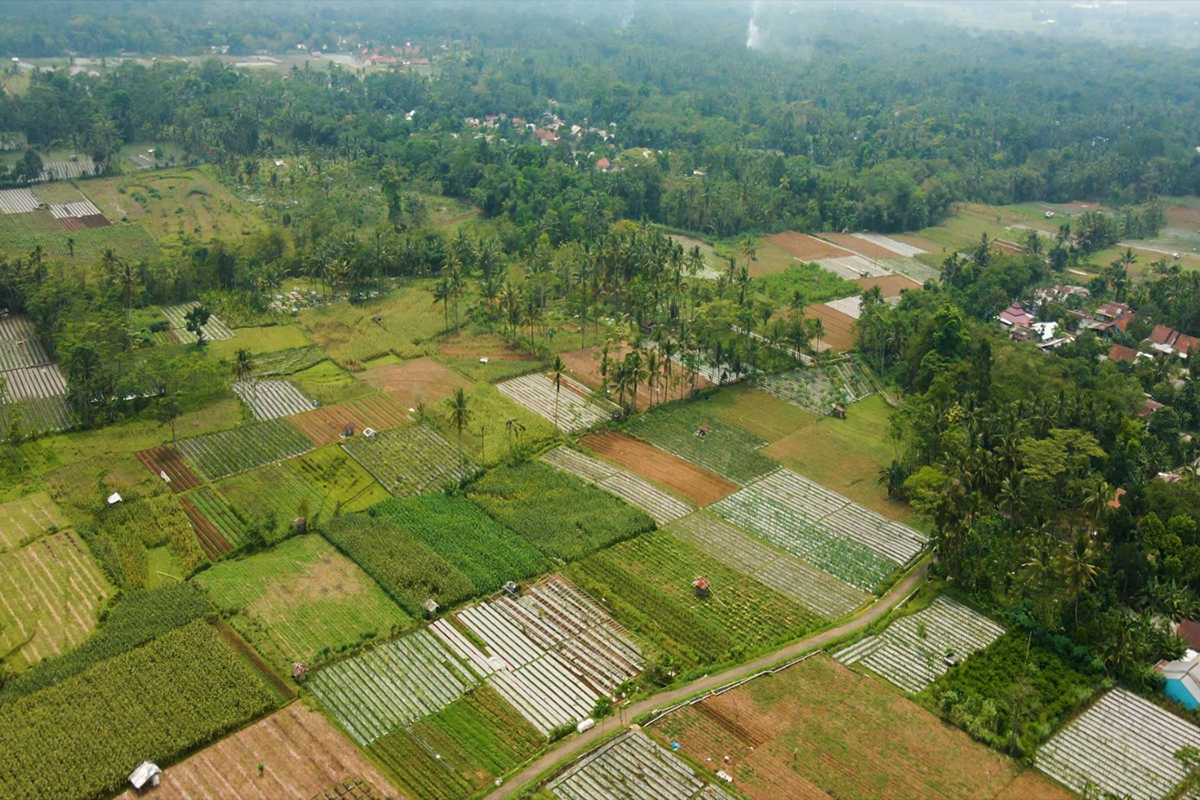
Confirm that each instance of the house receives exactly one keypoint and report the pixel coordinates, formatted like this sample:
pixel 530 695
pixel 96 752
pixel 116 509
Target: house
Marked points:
pixel 147 774
pixel 1189 631
pixel 418 62
pixel 1149 407
pixel 603 164
pixel 1114 311
pixel 1182 679
pixel 1119 352
pixel 547 137
pixel 1016 315
pixel 1169 340
pixel 1110 319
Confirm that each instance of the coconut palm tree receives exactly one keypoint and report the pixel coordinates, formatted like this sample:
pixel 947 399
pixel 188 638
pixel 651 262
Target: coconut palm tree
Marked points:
pixel 1077 566
pixel 557 368
pixel 460 415
pixel 243 369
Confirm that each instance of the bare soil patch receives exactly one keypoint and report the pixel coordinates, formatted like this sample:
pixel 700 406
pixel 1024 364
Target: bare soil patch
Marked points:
pixel 420 381
pixel 860 246
pixel 327 424
pixel 839 328
pixel 167 459
pixel 680 477
pixel 300 751
pixel 1185 217
pixel 890 285
pixel 808 248
pixel 211 541
pixel 819 728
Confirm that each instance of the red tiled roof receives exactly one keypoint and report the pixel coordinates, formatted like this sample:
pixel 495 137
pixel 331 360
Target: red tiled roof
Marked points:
pixel 1149 407
pixel 1162 335
pixel 1189 631
pixel 1185 343
pixel 1120 352
pixel 603 163
pixel 1016 315
pixel 1123 322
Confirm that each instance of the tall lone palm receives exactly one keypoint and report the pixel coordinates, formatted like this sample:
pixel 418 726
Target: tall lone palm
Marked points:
pixel 243 368
pixel 460 415
pixel 558 368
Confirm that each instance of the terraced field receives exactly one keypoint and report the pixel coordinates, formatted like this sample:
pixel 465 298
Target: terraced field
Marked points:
pixel 37 415
pixel 633 765
pixel 655 502
pixel 813 588
pixel 819 526
pixel 575 410
pixel 913 651
pixel 326 425
pixel 25 519
pixel 214 329
pixel 269 399
pixel 1122 746
pixel 409 460
pixel 391 686
pixel 218 455
pixel 50 595
pixel 301 601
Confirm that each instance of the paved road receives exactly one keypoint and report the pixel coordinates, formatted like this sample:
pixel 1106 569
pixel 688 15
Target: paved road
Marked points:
pixel 577 744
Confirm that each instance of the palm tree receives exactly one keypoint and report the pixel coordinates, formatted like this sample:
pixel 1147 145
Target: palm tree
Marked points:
pixel 460 415
pixel 558 368
pixel 243 368
pixel 1077 567
pixel 818 330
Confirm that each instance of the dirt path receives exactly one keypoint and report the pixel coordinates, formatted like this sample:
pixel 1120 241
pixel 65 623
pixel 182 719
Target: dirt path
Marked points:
pixel 577 744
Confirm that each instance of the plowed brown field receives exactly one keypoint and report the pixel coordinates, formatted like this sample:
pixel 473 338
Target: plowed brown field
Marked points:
pixel 680 477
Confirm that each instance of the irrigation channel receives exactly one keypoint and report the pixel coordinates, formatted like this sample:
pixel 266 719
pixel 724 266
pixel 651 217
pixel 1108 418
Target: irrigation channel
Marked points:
pixel 573 745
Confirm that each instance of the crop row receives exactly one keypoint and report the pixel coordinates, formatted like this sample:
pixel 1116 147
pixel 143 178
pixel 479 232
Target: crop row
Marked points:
pixel 29 383
pixel 658 504
pixel 271 399
pixel 724 449
pixel 633 765
pixel 811 587
pixel 568 405
pixel 409 460
pixel 228 452
pixel 82 737
pixel 37 414
pixel 214 329
pixel 27 518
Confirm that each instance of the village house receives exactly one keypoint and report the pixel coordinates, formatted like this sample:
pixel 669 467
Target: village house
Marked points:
pixel 1016 316
pixel 1168 340
pixel 1119 352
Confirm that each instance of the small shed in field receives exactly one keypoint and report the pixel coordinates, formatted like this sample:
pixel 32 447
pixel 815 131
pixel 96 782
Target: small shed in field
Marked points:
pixel 146 775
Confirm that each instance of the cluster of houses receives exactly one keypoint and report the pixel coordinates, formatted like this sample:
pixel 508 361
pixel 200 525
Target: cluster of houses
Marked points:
pixel 408 56
pixel 549 130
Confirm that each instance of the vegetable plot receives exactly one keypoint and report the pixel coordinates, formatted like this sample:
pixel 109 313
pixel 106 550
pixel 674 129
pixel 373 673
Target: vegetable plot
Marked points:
pixel 570 407
pixel 914 650
pixel 81 737
pixel 633 765
pixel 23 520
pixel 1122 746
pixel 269 399
pixel 724 449
pixel 624 484
pixel 218 455
pixel 409 460
pixel 214 329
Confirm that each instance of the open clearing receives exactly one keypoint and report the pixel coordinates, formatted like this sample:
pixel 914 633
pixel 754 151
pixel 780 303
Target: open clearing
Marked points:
pixel 422 382
pixel 300 752
pixel 25 519
pixel 262 341
pixel 326 425
pixel 912 651
pixel 889 285
pixel 815 589
pixel 402 324
pixel 301 601
pixel 1123 746
pixel 682 478
pixel 624 484
pixel 51 592
pixel 633 765
pixel 816 729
pixel 846 455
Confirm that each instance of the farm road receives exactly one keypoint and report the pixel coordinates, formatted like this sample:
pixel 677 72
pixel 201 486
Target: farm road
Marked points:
pixel 579 743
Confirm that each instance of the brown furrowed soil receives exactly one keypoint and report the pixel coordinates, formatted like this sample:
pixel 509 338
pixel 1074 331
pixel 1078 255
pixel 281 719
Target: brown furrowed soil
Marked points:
pixel 680 477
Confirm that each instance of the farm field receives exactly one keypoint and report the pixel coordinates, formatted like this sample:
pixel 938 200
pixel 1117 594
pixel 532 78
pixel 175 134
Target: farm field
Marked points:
pixel 726 449
pixel 280 362
pixel 219 455
pixel 51 592
pixel 757 412
pixel 817 729
pixel 166 459
pixel 655 502
pixel 558 513
pixel 420 382
pixel 407 318
pixel 570 407
pixel 496 428
pixel 406 568
pixel 338 480
pixel 912 651
pixel 271 399
pixel 647 584
pixel 391 686
pixel 125 533
pixel 460 749
pixel 21 233
pixel 301 754
pixel 460 532
pixel 36 416
pixel 327 382
pixel 462 351
pixel 817 389
pixel 409 460
pixel 326 425
pixel 214 330
pixel 682 478
pixel 77 738
pixel 584 366
pixel 262 341
pixel 172 204
pixel 1123 746
pixel 634 765
pixel 812 588
pixel 811 282
pixel 714 265
pixel 846 455
pixel 839 333
pixel 560 650
pixel 19 343
pixel 806 248
pixel 301 601
pixel 822 528
pixel 27 518
pixel 214 521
